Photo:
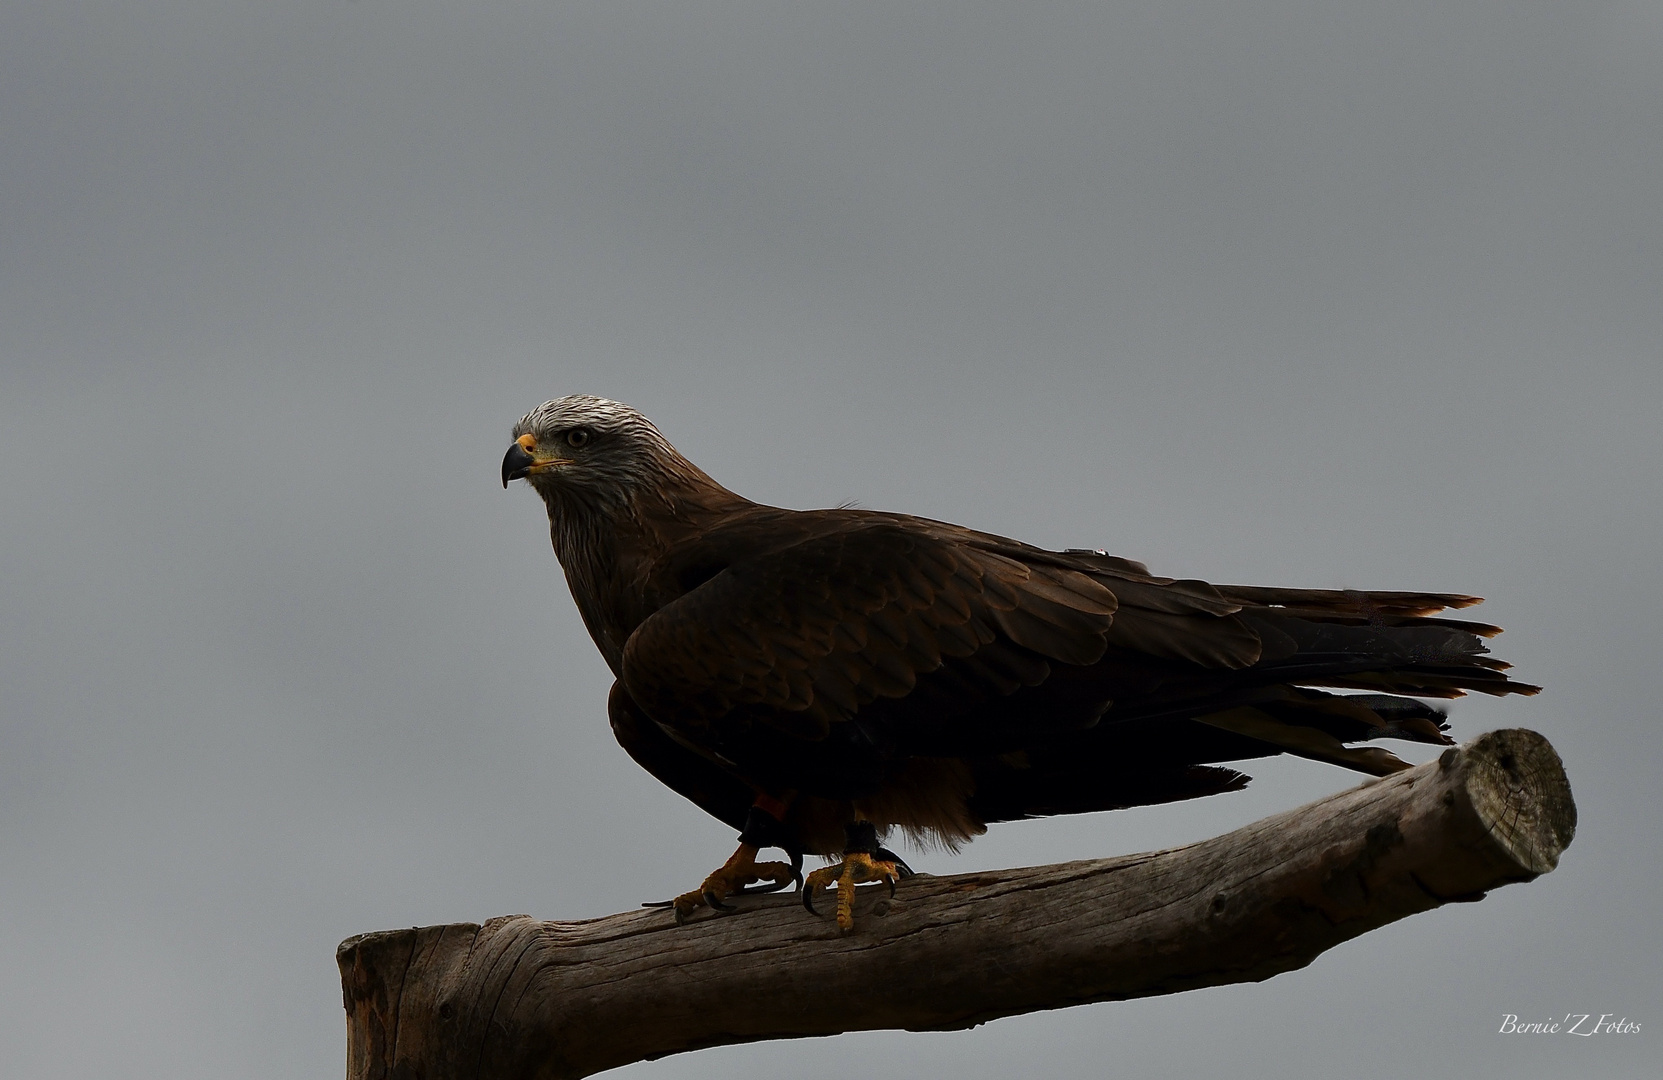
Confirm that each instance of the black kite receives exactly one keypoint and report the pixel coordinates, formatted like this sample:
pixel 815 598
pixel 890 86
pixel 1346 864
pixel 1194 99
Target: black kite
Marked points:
pixel 819 678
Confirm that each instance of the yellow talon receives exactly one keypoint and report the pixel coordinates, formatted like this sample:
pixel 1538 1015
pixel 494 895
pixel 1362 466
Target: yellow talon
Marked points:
pixel 740 870
pixel 857 868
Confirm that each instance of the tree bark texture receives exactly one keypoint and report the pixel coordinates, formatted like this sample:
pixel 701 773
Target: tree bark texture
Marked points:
pixel 518 997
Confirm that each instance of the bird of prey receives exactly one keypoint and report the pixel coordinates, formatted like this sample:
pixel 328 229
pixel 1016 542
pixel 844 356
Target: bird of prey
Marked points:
pixel 820 679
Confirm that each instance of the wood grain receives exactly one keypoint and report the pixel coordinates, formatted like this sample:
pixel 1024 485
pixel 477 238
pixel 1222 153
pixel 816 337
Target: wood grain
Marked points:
pixel 519 997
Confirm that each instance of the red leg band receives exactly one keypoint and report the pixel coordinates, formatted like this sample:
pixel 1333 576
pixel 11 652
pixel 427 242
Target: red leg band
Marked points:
pixel 770 806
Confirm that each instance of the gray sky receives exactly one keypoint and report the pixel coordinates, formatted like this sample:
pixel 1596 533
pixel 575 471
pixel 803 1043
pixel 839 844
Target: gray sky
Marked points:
pixel 1360 294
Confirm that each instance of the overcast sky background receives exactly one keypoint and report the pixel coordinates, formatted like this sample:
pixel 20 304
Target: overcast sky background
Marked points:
pixel 1326 294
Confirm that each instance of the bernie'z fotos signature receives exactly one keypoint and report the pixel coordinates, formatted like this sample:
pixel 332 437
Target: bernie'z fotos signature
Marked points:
pixel 1584 1024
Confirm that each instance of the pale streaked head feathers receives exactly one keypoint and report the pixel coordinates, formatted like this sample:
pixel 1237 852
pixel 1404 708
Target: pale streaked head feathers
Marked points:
pixel 606 455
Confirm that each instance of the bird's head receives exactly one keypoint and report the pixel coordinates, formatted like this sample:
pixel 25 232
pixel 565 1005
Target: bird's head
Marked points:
pixel 579 442
pixel 587 452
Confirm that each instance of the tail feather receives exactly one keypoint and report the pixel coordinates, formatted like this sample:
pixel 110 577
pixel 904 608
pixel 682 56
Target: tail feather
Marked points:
pixel 1303 741
pixel 1390 643
pixel 1348 601
pixel 1167 741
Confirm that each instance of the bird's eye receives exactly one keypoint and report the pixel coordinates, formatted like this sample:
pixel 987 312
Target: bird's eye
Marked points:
pixel 577 437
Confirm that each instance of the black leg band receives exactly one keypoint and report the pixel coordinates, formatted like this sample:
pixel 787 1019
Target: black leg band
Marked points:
pixel 860 837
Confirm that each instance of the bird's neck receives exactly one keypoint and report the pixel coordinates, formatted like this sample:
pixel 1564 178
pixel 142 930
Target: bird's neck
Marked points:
pixel 608 549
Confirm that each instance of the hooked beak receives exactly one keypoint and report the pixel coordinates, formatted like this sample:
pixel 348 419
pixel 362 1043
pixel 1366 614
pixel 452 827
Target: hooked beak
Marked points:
pixel 518 461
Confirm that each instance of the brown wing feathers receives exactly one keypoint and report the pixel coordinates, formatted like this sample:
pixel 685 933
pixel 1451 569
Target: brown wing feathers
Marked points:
pixel 842 619
pixel 881 639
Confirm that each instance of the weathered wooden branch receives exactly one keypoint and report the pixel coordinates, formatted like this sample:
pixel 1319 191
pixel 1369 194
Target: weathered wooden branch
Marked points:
pixel 518 997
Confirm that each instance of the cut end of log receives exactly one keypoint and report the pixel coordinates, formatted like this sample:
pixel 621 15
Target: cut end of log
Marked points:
pixel 1519 791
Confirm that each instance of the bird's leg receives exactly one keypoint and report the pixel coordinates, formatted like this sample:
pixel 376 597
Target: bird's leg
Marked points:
pixel 863 861
pixel 739 875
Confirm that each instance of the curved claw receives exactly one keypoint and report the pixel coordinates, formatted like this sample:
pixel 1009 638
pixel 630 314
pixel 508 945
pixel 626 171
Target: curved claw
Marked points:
pixel 808 901
pixel 796 871
pixel 724 882
pixel 900 864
